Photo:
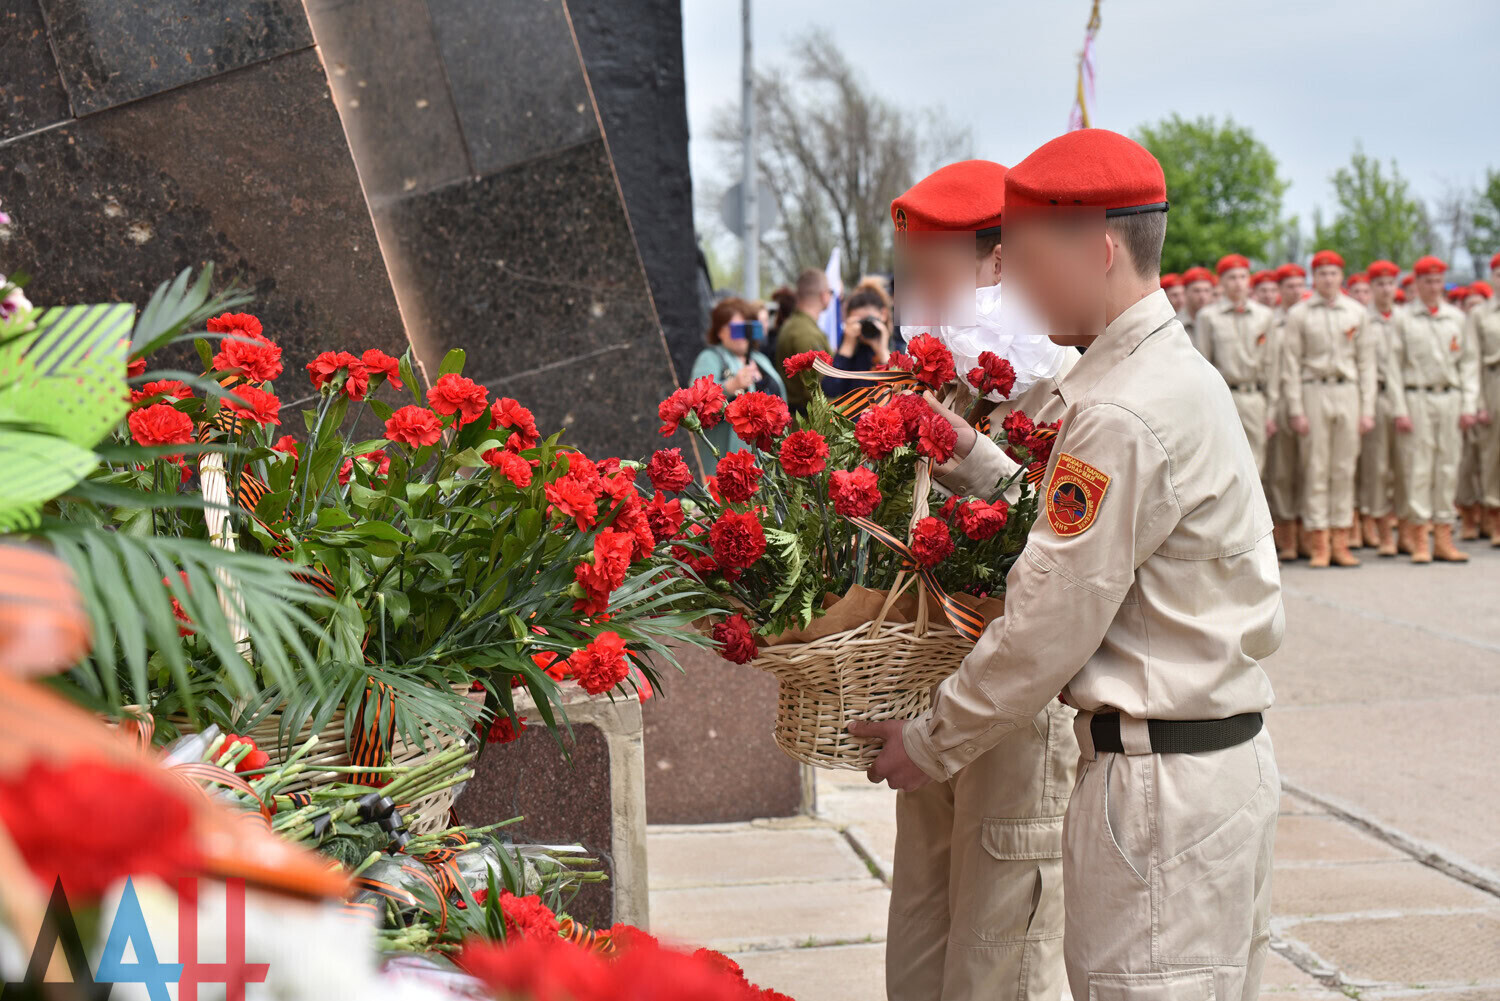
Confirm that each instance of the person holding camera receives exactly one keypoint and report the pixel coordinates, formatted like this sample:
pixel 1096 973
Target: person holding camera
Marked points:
pixel 866 344
pixel 733 359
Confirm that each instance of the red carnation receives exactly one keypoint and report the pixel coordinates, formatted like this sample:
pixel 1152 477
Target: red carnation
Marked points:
pixel 912 409
pixel 799 363
pixel 323 369
pixel 511 465
pixel 256 358
pixel 381 364
pixel 1017 427
pixel 507 413
pixel 936 437
pixel 994 375
pixel 758 418
pixel 252 404
pixel 803 453
pixel 699 405
pixel 880 431
pixel 576 493
pixel 737 539
pixel 161 424
pixel 255 760
pixel 598 579
pixel 170 389
pixel 90 822
pixel 738 476
pixel 901 360
pixel 230 323
pixel 503 731
pixel 630 516
pixel 601 665
pixel 135 367
pixel 1040 446
pixel 931 541
pixel 855 491
pixel 735 639
pixel 415 426
pixel 980 520
pixel 455 394
pixel 527 917
pixel 287 445
pixel 376 464
pixel 667 471
pixel 932 363
pixel 664 516
pixel 185 623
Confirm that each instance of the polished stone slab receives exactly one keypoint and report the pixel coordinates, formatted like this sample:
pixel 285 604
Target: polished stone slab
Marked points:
pixel 113 51
pixel 31 93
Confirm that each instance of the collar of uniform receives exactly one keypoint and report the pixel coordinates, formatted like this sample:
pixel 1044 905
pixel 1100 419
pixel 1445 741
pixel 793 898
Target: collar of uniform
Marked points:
pixel 1119 341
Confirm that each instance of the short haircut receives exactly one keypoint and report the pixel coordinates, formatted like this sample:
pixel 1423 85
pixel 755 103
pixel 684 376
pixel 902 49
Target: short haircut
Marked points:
pixel 810 283
pixel 1142 235
pixel 984 246
pixel 864 298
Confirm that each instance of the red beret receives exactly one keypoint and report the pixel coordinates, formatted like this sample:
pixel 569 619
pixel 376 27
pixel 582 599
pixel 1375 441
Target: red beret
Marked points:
pixel 1327 258
pixel 1382 269
pixel 1089 167
pixel 1401 295
pixel 1290 271
pixel 962 197
pixel 1482 288
pixel 1407 280
pixel 1429 265
pixel 1171 280
pixel 1197 274
pixel 1261 277
pixel 1495 263
pixel 1458 292
pixel 1358 278
pixel 1232 261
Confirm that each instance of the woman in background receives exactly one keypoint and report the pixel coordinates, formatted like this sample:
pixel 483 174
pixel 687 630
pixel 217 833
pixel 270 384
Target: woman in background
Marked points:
pixel 733 361
pixel 866 344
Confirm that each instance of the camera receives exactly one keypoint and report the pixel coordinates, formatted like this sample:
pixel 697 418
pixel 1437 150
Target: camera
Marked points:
pixel 869 330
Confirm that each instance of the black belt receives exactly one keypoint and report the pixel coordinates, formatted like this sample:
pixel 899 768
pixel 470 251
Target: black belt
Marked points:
pixel 1178 736
pixel 1430 389
pixel 1249 387
pixel 1332 380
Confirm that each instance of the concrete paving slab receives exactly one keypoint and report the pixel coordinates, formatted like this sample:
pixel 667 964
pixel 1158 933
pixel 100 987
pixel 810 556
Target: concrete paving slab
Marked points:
pixel 1438 994
pixel 1408 950
pixel 868 816
pixel 766 916
pixel 830 973
pixel 1282 978
pixel 1324 839
pixel 1296 806
pixel 750 855
pixel 1350 888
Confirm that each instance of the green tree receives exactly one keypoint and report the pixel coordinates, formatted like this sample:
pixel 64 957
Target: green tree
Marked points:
pixel 1223 186
pixel 1484 237
pixel 1376 215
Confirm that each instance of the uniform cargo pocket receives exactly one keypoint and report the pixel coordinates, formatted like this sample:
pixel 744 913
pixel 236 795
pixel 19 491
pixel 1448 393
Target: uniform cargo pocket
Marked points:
pixel 1011 889
pixel 1180 985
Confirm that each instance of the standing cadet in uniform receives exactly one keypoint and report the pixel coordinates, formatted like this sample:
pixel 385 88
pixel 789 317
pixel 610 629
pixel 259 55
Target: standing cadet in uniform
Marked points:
pixel 1377 453
pixel 1434 383
pixel 976 907
pixel 1357 287
pixel 1198 282
pixel 1237 339
pixel 1171 283
pixel 1283 476
pixel 1263 289
pixel 1328 369
pixel 1484 336
pixel 1150 591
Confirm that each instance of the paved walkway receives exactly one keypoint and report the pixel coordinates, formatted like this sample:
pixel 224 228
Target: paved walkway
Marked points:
pixel 1387 880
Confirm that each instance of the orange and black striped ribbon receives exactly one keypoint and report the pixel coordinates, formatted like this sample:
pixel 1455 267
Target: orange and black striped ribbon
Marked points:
pixel 884 385
pixel 582 935
pixel 205 772
pixel 1033 476
pixel 399 894
pixel 365 910
pixel 374 728
pixel 965 621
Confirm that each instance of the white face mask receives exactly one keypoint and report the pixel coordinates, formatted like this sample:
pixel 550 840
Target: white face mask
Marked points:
pixel 1005 327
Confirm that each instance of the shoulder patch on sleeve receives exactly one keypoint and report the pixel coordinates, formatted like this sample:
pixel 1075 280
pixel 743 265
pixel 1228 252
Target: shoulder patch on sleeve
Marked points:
pixel 1074 495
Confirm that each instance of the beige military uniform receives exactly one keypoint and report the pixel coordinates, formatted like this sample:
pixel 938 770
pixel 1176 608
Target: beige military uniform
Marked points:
pixel 1156 596
pixel 976 892
pixel 1240 343
pixel 1328 375
pixel 1377 452
pixel 1484 335
pixel 1432 377
pixel 1282 476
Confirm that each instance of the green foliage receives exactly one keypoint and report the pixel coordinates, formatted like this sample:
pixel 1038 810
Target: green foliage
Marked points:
pixel 1376 216
pixel 1484 240
pixel 1223 186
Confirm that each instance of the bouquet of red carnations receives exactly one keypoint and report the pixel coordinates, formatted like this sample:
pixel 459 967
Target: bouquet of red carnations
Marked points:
pixel 857 582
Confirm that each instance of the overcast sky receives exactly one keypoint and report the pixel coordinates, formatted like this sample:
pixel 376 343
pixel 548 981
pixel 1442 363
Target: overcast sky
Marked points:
pixel 1417 80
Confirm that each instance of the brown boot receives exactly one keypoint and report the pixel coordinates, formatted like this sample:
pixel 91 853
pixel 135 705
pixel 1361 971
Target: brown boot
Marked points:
pixel 1304 541
pixel 1369 532
pixel 1387 536
pixel 1342 557
pixel 1442 544
pixel 1469 521
pixel 1318 548
pixel 1492 519
pixel 1406 535
pixel 1285 534
pixel 1421 543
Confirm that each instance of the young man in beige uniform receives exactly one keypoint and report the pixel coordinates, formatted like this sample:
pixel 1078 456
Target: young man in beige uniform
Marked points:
pixel 1470 493
pixel 1484 334
pixel 1148 591
pixel 1432 376
pixel 1283 474
pixel 1199 283
pixel 976 907
pixel 1263 289
pixel 1377 455
pixel 1328 376
pixel 1237 338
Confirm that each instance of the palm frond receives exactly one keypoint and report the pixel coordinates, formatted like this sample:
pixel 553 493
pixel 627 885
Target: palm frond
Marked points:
pixel 175 307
